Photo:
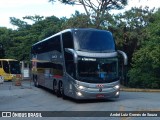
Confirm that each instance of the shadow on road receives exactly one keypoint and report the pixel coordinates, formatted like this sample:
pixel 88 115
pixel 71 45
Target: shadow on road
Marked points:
pixel 83 101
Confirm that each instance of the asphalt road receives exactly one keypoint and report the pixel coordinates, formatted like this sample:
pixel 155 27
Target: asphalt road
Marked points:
pixel 29 98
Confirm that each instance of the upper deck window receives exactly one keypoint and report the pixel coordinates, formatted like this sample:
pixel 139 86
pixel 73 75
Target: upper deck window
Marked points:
pixel 48 45
pixel 94 40
pixel 67 40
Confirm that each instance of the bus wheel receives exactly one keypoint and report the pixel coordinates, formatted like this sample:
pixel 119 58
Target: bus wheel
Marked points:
pixel 62 92
pixel 54 86
pixel 34 80
pixel 59 91
pixel 36 84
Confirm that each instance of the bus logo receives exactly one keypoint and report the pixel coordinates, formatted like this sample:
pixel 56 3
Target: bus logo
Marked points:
pixel 6 114
pixel 100 89
pixel 100 85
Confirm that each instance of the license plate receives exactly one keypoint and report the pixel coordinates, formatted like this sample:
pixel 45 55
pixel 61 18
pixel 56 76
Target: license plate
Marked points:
pixel 100 96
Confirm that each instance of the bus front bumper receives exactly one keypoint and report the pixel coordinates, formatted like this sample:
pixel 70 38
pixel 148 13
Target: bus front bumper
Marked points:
pixel 98 93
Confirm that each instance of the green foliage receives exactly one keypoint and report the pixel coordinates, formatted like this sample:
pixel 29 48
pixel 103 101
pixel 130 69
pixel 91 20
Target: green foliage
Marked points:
pixel 128 29
pixel 146 60
pixel 96 10
pixel 77 20
pixel 5 40
pixel 35 18
pixel 137 32
pixel 17 43
pixel 19 23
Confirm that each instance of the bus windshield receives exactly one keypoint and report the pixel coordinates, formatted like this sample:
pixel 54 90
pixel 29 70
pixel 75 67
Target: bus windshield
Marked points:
pixel 98 70
pixel 97 41
pixel 12 67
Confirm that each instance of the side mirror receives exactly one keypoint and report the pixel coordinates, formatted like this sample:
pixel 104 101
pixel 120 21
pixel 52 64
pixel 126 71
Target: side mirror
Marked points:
pixel 73 52
pixel 124 56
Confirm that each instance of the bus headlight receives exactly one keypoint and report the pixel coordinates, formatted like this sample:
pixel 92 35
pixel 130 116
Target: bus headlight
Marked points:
pixel 79 93
pixel 117 93
pixel 81 87
pixel 117 87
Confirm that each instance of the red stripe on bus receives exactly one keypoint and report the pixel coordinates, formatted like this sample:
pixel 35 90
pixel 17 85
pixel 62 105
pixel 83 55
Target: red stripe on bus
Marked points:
pixel 57 76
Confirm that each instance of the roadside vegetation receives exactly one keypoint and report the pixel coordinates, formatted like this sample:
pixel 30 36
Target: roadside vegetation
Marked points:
pixel 136 32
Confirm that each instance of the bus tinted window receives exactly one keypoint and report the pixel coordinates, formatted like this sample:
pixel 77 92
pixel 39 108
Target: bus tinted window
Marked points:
pixel 47 45
pixel 0 64
pixel 37 48
pixel 100 70
pixel 70 66
pixel 56 69
pixel 52 44
pixel 67 40
pixel 99 41
pixel 6 66
pixel 14 67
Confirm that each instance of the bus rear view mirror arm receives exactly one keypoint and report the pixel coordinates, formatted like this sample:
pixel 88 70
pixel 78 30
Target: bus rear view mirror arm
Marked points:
pixel 124 56
pixel 73 52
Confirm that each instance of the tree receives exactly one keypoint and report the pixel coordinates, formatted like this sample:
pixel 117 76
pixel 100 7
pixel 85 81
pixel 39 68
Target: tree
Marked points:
pixel 146 61
pixel 17 43
pixel 35 18
pixel 77 20
pixel 1 51
pixel 19 23
pixel 5 41
pixel 49 26
pixel 129 29
pixel 96 10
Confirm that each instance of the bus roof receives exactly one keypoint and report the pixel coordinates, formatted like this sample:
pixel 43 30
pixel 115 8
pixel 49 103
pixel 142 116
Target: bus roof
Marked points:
pixel 71 30
pixel 8 60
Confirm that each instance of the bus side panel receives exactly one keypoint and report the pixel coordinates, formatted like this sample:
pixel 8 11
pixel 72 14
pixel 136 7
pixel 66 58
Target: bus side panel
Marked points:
pixel 68 87
pixel 48 78
pixel 40 77
pixel 5 75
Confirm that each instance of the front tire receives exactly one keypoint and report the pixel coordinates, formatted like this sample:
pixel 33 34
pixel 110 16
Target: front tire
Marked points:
pixel 36 84
pixel 61 90
pixel 54 86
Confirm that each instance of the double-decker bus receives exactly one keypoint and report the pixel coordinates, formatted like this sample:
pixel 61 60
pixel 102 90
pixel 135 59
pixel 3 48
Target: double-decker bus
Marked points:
pixel 9 68
pixel 79 63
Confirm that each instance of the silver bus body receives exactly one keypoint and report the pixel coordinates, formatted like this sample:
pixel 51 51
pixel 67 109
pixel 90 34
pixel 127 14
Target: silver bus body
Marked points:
pixel 79 73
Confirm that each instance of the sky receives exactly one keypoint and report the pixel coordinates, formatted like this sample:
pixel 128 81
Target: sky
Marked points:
pixel 22 8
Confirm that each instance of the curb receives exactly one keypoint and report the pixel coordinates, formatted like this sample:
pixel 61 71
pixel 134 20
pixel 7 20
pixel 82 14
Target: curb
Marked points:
pixel 139 90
